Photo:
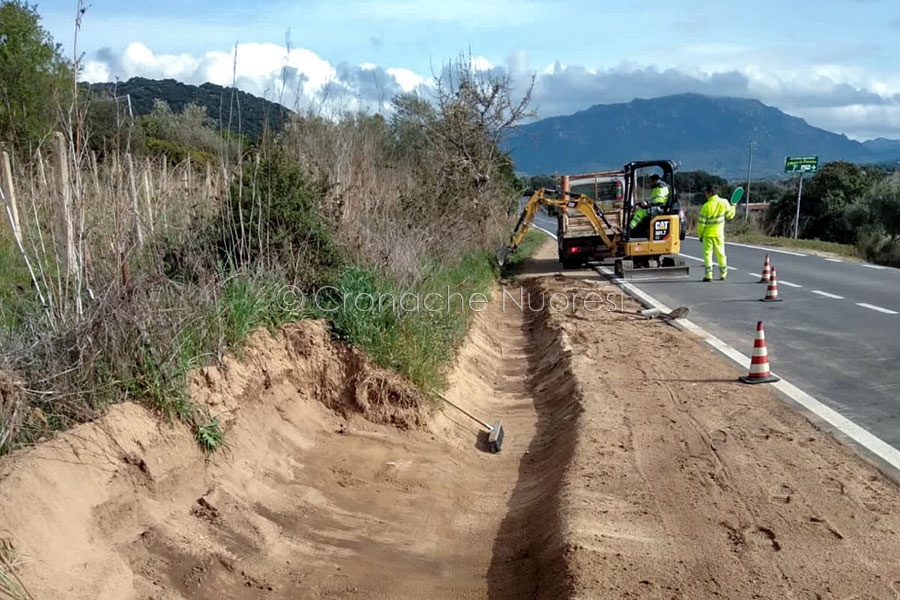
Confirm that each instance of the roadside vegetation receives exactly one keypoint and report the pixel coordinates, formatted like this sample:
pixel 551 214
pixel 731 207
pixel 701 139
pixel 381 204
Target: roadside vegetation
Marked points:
pixel 136 249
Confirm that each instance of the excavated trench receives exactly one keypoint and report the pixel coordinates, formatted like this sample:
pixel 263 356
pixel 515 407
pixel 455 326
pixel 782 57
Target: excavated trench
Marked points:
pixel 337 481
pixel 635 465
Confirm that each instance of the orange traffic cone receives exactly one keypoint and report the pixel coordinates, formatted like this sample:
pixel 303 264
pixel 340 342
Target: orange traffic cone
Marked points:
pixel 772 290
pixel 767 271
pixel 759 362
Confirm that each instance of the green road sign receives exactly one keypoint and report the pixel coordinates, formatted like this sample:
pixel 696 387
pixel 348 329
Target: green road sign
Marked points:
pixel 801 164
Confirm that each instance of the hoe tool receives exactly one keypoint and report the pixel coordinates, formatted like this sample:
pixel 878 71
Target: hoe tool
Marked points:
pixel 495 431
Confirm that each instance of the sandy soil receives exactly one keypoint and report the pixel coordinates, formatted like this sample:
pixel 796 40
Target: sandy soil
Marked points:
pixel 687 484
pixel 333 485
pixel 634 466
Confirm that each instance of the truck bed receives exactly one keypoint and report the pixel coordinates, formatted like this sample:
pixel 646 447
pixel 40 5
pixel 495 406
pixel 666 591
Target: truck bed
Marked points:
pixel 575 224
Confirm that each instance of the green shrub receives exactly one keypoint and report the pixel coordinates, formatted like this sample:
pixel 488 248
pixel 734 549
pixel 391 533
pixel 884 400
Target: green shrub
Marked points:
pixel 178 152
pixel 419 343
pixel 276 219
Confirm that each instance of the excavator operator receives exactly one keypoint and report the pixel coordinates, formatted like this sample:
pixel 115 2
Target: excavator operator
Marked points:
pixel 659 195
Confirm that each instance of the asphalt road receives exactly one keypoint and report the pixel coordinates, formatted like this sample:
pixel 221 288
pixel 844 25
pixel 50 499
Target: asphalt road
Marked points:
pixel 835 334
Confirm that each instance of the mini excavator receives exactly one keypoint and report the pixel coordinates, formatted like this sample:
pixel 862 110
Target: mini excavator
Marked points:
pixel 589 232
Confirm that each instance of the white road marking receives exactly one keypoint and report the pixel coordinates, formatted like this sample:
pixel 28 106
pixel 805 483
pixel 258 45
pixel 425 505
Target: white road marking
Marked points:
pixel 754 274
pixel 868 266
pixel 834 260
pixel 827 295
pixel 767 249
pixel 859 435
pixel 701 260
pixel 539 228
pixel 789 284
pixel 886 311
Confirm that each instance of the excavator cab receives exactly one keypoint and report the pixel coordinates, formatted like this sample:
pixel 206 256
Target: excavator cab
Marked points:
pixel 652 247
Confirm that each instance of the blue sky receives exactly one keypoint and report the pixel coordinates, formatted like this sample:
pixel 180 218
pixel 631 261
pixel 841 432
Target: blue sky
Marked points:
pixel 835 63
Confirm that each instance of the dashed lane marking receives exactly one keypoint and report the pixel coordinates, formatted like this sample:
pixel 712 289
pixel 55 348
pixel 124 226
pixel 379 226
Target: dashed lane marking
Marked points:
pixel 789 284
pixel 827 295
pixel 886 311
pixel 701 260
pixel 764 248
pixel 868 266
pixel 834 260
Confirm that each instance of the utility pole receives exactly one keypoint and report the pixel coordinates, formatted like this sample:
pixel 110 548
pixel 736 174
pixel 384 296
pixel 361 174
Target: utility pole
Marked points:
pixel 799 194
pixel 749 171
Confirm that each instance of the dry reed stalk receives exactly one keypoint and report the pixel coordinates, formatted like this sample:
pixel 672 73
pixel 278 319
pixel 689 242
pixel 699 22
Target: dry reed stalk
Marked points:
pixel 132 188
pixel 207 186
pixel 17 237
pixel 148 196
pixel 42 172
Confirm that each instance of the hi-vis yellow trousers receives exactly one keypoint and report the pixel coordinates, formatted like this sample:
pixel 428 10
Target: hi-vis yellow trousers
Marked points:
pixel 711 243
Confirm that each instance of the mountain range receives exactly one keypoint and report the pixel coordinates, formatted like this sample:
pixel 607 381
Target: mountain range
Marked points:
pixel 698 132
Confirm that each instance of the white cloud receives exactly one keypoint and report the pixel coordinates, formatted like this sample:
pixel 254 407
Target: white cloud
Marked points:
pixel 408 80
pixel 841 100
pixel 848 100
pixel 297 77
pixel 480 63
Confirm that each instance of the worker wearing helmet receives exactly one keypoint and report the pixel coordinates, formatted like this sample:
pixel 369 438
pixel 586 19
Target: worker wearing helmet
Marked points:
pixel 711 231
pixel 658 198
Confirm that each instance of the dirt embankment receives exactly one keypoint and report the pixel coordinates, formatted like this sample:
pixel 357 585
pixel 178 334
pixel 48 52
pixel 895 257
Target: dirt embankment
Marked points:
pixel 634 467
pixel 336 482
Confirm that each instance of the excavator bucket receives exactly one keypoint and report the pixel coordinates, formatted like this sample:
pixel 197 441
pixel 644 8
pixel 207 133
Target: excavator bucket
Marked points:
pixel 502 253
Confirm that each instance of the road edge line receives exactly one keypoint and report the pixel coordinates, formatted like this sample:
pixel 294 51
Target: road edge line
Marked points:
pixel 839 424
pixel 541 229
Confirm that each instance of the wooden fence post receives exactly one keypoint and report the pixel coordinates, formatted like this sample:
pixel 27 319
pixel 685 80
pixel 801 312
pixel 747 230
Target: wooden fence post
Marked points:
pixel 10 194
pixel 64 185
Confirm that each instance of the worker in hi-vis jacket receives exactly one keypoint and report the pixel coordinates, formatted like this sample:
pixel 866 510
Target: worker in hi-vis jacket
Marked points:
pixel 711 231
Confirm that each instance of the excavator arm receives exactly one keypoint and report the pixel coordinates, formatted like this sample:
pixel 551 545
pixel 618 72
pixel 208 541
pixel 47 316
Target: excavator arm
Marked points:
pixel 541 197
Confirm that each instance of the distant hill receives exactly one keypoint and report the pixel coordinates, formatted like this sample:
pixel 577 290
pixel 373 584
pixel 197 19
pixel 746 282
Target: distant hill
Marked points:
pixel 220 102
pixel 699 132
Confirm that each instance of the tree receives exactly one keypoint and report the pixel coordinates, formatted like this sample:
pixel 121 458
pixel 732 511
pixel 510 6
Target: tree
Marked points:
pixel 35 78
pixel 689 182
pixel 477 112
pixel 452 140
pixel 829 197
pixel 884 207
